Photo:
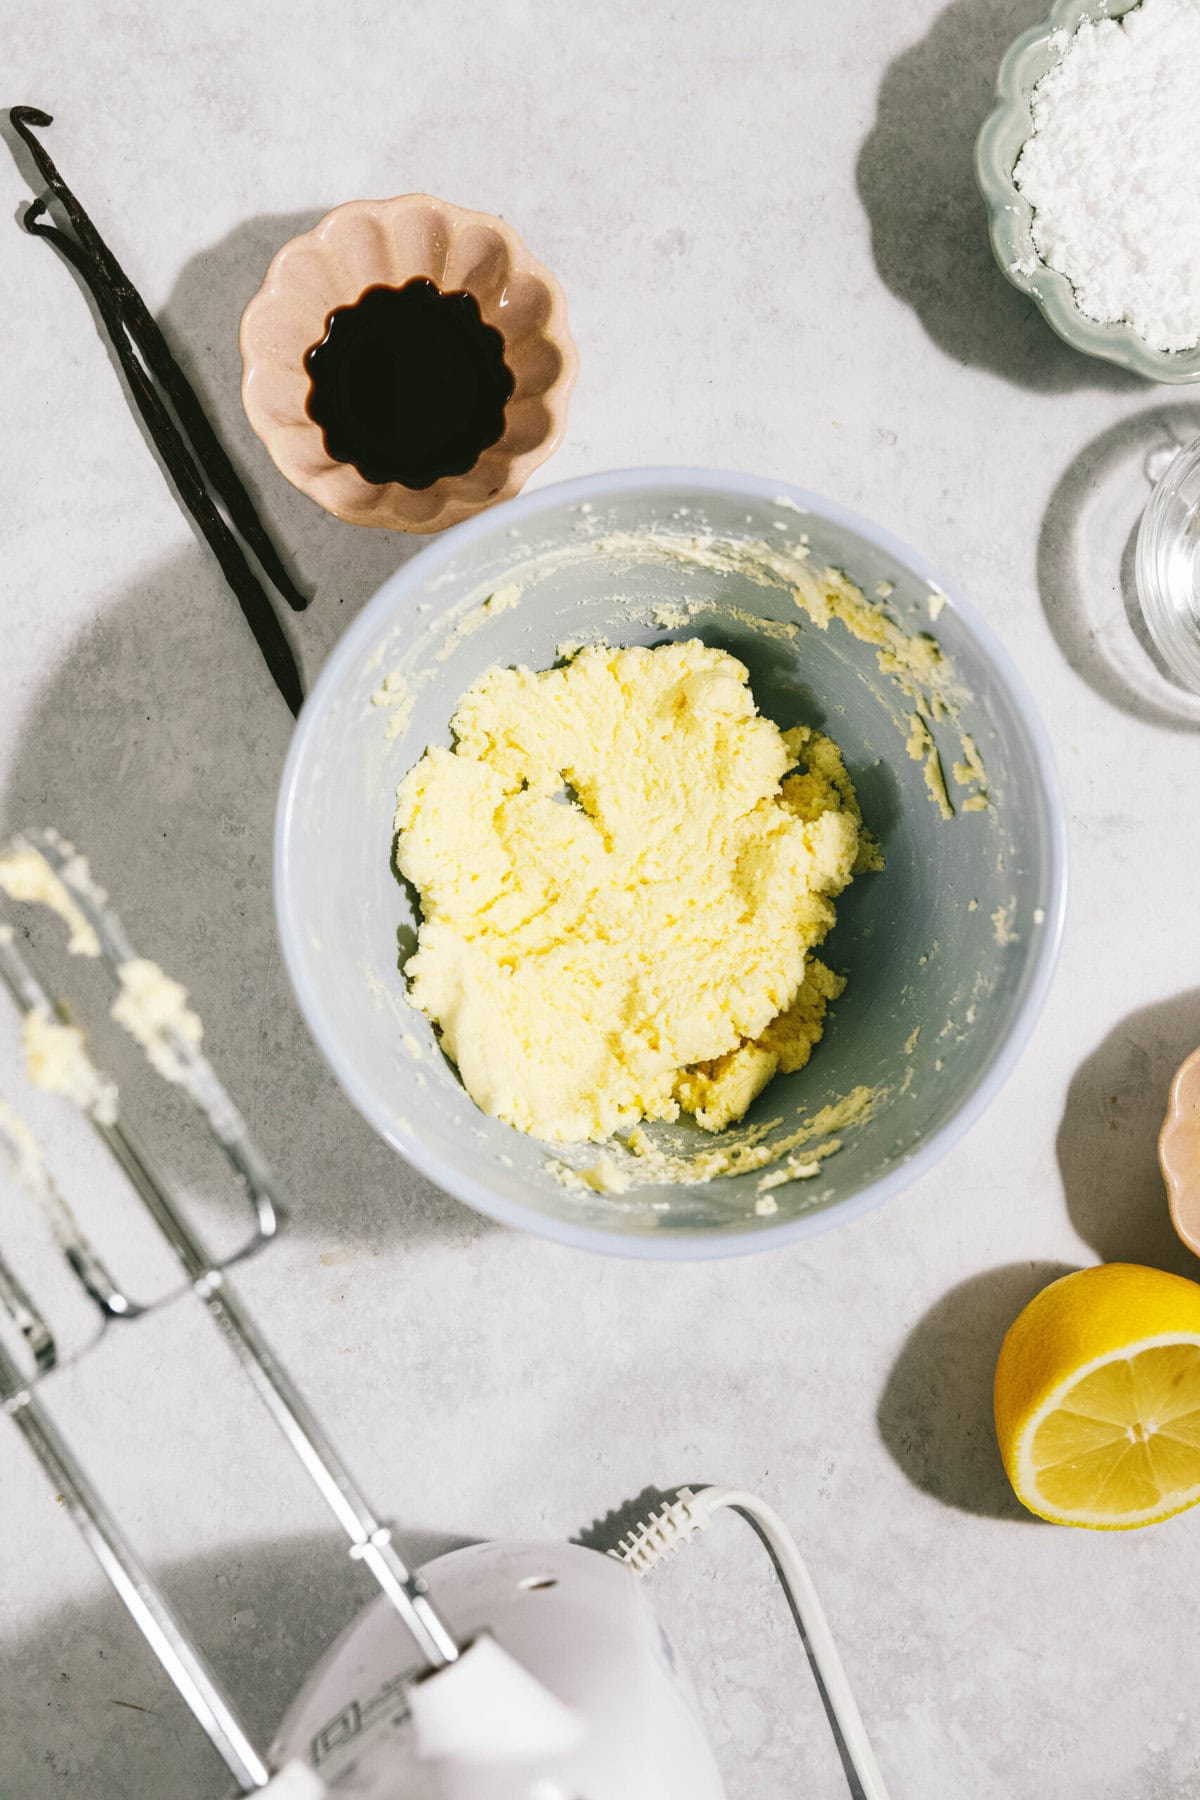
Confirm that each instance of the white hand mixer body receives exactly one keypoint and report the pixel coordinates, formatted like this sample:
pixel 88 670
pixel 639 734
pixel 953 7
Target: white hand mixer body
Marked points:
pixel 578 1695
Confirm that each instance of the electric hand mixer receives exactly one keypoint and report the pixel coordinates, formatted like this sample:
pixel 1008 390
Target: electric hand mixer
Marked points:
pixel 504 1671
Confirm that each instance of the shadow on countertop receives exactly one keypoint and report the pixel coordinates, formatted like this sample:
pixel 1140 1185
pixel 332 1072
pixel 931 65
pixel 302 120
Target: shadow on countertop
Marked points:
pixel 156 748
pixel 1086 565
pixel 935 1413
pixel 89 1711
pixel 1108 1139
pixel 916 181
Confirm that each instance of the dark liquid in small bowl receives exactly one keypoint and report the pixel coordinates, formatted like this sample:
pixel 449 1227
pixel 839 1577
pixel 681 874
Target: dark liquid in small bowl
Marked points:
pixel 409 384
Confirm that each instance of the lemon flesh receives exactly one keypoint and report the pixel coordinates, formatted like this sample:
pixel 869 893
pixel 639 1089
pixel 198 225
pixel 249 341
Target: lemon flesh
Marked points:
pixel 1123 1444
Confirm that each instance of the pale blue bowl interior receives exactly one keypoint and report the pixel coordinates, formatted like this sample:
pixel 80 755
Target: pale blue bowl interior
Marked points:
pixel 916 950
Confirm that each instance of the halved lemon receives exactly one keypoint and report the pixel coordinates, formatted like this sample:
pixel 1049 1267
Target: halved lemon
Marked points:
pixel 1098 1398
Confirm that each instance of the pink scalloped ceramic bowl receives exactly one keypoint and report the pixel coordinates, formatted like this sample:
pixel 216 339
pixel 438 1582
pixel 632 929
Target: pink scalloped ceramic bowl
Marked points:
pixel 366 243
pixel 1179 1151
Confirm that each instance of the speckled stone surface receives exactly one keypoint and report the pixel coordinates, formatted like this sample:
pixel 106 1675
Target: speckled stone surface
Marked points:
pixel 774 257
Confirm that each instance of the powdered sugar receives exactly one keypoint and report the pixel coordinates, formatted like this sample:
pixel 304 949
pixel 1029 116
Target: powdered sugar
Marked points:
pixel 1111 169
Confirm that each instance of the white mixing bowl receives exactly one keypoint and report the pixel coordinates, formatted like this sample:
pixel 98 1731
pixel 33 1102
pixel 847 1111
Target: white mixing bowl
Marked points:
pixel 957 936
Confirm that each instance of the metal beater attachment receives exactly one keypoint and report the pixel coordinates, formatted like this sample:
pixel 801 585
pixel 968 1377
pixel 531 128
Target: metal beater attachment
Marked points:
pixel 38 867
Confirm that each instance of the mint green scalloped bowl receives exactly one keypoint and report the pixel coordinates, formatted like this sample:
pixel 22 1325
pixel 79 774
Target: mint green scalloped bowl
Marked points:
pixel 1010 216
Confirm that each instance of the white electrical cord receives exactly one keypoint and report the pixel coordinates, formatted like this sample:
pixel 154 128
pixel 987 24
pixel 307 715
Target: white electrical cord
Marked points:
pixel 689 1513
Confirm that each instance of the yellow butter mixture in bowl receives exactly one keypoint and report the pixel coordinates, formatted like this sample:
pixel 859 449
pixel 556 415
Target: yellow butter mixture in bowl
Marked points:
pixel 623 870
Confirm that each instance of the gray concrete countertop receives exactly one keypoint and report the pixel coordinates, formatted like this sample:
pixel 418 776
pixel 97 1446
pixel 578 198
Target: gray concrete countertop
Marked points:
pixel 765 221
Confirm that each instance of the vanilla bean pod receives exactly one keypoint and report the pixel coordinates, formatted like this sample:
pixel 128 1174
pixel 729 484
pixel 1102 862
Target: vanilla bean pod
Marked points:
pixel 186 476
pixel 142 326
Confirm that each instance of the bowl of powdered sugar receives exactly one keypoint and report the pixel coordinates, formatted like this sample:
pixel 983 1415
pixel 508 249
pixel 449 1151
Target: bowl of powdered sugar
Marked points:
pixel 1088 165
